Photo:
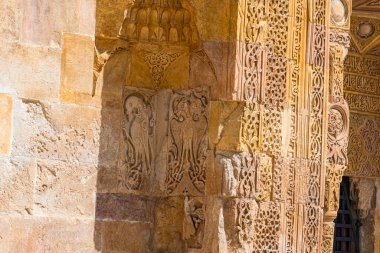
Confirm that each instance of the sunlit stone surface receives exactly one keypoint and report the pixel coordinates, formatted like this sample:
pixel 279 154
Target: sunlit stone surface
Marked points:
pixel 173 126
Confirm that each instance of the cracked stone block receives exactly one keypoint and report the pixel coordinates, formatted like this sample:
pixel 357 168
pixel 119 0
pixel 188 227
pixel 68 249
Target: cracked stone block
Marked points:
pixel 225 124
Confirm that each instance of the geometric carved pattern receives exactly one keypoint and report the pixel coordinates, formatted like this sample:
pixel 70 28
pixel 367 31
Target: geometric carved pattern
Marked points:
pixel 364 146
pixel 362 90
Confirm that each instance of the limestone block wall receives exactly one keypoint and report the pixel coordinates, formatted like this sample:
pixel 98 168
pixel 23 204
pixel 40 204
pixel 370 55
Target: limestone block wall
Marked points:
pixel 49 141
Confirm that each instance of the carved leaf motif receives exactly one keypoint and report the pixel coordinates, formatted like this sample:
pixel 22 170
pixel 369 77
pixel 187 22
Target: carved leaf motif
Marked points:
pixel 371 135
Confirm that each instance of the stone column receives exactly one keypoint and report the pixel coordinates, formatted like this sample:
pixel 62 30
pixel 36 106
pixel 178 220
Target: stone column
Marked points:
pixel 338 116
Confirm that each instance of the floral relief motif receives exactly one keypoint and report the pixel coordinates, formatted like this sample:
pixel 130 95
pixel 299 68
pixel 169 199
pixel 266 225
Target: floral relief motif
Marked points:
pixel 158 62
pixel 371 136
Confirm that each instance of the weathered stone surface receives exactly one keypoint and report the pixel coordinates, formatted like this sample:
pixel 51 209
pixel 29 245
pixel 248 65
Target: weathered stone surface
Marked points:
pixel 9 25
pixel 48 131
pixel 181 125
pixel 119 207
pixel 77 84
pixel 225 125
pixel 17 182
pixel 6 120
pixel 169 225
pixel 126 237
pixel 43 21
pixel 216 19
pixel 63 189
pixel 46 235
pixel 23 71
pixel 109 17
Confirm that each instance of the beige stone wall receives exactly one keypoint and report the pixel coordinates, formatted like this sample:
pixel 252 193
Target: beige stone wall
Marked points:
pixel 49 144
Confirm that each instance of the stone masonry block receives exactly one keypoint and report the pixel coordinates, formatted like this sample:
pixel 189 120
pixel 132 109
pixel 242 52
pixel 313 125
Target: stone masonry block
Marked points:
pixel 77 69
pixel 6 112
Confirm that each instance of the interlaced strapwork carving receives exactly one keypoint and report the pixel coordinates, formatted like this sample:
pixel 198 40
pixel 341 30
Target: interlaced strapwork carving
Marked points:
pixel 267 227
pixel 336 72
pixel 312 228
pixel 188 125
pixel 158 62
pixel 251 125
pixel 328 237
pixel 255 12
pixel 248 176
pixel 254 76
pixel 271 131
pixel 247 210
pixel 319 12
pixel 275 90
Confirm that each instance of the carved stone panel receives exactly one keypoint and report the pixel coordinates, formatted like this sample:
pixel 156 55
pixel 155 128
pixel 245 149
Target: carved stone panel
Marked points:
pixel 337 138
pixel 188 125
pixel 137 157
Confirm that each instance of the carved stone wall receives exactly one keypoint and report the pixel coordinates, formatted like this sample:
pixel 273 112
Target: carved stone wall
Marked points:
pixel 176 126
pixel 361 90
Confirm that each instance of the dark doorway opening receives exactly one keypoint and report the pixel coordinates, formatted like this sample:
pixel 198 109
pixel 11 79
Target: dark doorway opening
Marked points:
pixel 346 237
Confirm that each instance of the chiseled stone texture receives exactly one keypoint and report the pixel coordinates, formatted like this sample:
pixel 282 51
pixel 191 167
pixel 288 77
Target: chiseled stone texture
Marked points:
pixel 10 15
pixel 64 189
pixel 44 20
pixel 46 235
pixel 23 70
pixel 77 69
pixel 6 119
pixel 17 179
pixel 49 131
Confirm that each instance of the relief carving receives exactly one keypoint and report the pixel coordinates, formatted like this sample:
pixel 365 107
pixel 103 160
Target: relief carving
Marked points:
pixel 158 21
pixel 194 222
pixel 188 125
pixel 138 129
pixel 158 62
pixel 337 136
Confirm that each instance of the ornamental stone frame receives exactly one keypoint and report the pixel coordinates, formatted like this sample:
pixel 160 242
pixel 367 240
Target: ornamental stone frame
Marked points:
pixel 249 156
